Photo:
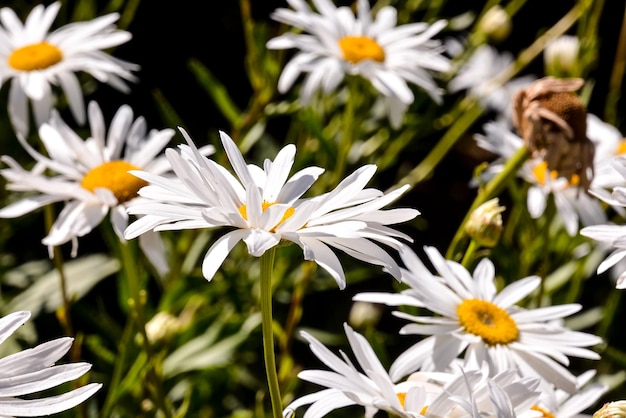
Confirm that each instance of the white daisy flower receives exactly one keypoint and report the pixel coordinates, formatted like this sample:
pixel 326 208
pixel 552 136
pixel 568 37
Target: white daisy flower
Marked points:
pixel 90 176
pixel 265 206
pixel 574 206
pixel 477 74
pixel 609 144
pixel 609 234
pixel 35 60
pixel 336 43
pixel 557 403
pixel 608 186
pixel 437 395
pixel 485 326
pixel 32 371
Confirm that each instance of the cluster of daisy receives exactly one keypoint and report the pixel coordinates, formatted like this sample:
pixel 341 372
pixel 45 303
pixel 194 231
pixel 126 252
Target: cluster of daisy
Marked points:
pixel 481 352
pixel 36 62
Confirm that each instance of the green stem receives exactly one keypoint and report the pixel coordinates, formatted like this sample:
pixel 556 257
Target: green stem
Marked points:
pixel 57 258
pixel 469 253
pixel 118 370
pixel 347 129
pixel 617 75
pixel 492 188
pixel 426 167
pixel 544 260
pixel 267 264
pixel 136 304
pixel 610 309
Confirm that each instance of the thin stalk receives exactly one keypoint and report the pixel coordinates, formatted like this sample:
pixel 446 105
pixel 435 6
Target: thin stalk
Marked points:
pixel 118 370
pixel 491 189
pixel 617 74
pixel 469 253
pixel 347 129
pixel 267 264
pixel 610 309
pixel 136 304
pixel 57 258
pixel 548 217
pixel 426 167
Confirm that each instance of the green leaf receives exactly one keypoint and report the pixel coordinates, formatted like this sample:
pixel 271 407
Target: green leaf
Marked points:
pixel 204 352
pixel 216 91
pixel 81 275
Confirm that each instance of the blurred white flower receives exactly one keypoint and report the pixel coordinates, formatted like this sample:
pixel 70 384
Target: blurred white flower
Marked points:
pixel 36 60
pixel 435 395
pixel 336 43
pixel 574 206
pixel 612 235
pixel 478 74
pixel 31 371
pixel 90 176
pixel 609 144
pixel 265 206
pixel 486 325
pixel 557 403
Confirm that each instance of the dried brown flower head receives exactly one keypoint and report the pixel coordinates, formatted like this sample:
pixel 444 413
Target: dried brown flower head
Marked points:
pixel 552 120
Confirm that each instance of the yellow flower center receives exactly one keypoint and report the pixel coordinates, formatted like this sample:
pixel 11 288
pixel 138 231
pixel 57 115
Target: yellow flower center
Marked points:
pixel 488 321
pixel 540 170
pixel 115 177
pixel 402 397
pixel 288 213
pixel 546 413
pixel 358 48
pixel 35 57
pixel 621 147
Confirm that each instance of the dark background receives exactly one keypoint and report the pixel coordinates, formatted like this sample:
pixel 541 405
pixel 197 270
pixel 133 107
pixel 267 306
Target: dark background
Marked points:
pixel 166 35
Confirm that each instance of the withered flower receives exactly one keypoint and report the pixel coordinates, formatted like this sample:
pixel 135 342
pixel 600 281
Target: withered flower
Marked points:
pixel 552 120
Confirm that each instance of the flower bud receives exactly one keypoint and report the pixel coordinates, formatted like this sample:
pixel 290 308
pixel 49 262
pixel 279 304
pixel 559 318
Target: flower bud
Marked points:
pixel 561 56
pixel 615 409
pixel 162 326
pixel 364 315
pixel 485 223
pixel 495 24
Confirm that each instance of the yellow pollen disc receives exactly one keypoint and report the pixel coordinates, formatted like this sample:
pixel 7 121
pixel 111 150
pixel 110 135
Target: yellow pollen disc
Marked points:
pixel 401 397
pixel 288 213
pixel 35 57
pixel 540 170
pixel 115 177
pixel 621 147
pixel 546 414
pixel 358 48
pixel 488 321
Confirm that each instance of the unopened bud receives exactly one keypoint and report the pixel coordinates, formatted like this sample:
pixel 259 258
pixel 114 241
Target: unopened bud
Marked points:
pixel 162 326
pixel 495 24
pixel 561 56
pixel 615 409
pixel 485 223
pixel 363 315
